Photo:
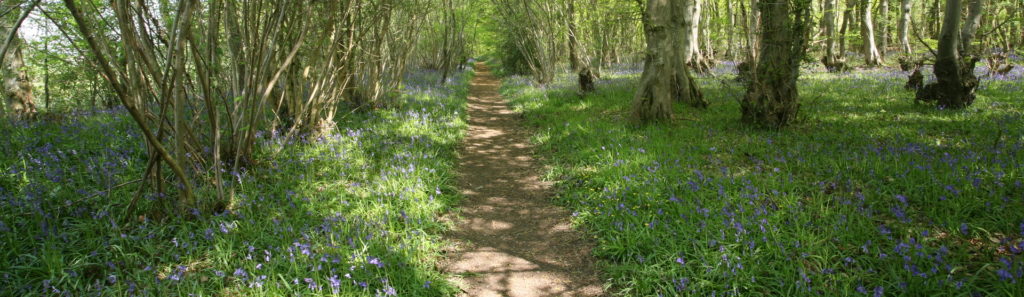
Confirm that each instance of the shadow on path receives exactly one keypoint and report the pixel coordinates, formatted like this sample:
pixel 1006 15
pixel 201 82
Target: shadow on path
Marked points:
pixel 510 239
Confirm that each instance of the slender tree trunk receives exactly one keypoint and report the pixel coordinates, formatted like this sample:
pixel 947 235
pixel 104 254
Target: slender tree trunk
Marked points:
pixel 754 23
pixel 579 61
pixel 934 19
pixel 691 40
pixel 46 76
pixel 574 60
pixel 93 90
pixel 883 27
pixel 871 55
pixel 729 31
pixel 955 84
pixel 831 61
pixel 772 100
pixel 847 17
pixel 904 26
pixel 665 78
pixel 974 8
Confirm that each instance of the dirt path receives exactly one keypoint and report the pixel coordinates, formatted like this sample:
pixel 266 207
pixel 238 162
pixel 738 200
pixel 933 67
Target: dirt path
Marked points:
pixel 510 240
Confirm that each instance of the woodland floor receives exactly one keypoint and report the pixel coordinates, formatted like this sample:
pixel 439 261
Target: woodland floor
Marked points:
pixel 509 239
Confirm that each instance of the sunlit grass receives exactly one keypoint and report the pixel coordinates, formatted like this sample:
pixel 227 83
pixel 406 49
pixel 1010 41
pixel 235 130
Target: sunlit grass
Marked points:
pixel 868 194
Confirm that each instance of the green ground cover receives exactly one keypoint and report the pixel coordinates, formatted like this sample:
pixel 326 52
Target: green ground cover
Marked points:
pixel 869 194
pixel 353 214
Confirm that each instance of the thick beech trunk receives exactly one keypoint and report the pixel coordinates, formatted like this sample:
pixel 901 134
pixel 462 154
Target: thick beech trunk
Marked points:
pixel 771 100
pixel 666 78
pixel 956 82
pixel 16 84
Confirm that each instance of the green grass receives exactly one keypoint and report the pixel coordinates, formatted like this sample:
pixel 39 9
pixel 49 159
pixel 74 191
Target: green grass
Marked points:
pixel 868 194
pixel 353 214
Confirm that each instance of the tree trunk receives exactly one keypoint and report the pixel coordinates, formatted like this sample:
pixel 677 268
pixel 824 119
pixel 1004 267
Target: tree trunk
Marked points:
pixel 772 100
pixel 831 60
pixel 577 58
pixel 847 16
pixel 46 76
pixel 754 24
pixel 883 27
pixel 971 26
pixel 955 84
pixel 665 78
pixel 17 85
pixel 729 31
pixel 934 19
pixel 574 60
pixel 904 27
pixel 867 31
pixel 691 39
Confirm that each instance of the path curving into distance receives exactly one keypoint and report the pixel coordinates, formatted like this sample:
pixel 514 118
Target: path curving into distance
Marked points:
pixel 509 239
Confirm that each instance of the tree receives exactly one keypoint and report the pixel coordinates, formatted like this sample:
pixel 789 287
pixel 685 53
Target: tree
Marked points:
pixel 971 27
pixel 847 17
pixel 694 56
pixel 531 28
pixel 204 79
pixel 832 60
pixel 904 26
pixel 579 61
pixel 955 84
pixel 665 78
pixel 16 84
pixel 772 100
pixel 867 31
pixel 883 27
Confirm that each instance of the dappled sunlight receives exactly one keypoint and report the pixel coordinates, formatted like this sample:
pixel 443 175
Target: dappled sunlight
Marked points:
pixel 509 241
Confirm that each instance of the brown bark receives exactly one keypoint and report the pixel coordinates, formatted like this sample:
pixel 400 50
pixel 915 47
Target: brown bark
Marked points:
pixel 665 78
pixel 832 61
pixel 578 60
pixel 904 26
pixel 867 32
pixel 16 83
pixel 971 27
pixel 847 16
pixel 956 82
pixel 883 27
pixel 772 100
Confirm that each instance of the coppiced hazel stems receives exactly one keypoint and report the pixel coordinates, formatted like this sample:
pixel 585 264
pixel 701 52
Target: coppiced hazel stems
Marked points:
pixel 204 79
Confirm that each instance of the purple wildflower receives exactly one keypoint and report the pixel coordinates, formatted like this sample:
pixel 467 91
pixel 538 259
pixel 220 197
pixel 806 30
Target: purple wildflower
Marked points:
pixel 335 283
pixel 375 261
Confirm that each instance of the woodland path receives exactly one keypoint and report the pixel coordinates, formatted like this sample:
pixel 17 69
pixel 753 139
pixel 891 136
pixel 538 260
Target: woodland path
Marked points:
pixel 509 239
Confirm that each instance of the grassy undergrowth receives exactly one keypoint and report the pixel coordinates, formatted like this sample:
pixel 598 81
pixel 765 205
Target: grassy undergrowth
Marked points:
pixel 352 214
pixel 870 195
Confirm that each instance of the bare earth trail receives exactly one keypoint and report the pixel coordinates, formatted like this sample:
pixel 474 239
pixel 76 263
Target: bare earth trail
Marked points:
pixel 510 239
